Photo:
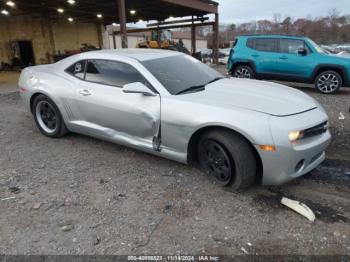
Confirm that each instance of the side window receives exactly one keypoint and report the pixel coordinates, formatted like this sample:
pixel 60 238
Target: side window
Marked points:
pixel 251 43
pixel 112 73
pixel 77 69
pixel 291 46
pixel 266 45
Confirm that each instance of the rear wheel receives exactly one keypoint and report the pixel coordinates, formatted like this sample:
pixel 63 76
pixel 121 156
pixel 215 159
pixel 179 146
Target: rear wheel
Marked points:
pixel 328 82
pixel 243 71
pixel 48 118
pixel 228 158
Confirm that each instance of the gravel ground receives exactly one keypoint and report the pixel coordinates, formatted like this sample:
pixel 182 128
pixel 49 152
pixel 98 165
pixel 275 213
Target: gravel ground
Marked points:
pixel 79 195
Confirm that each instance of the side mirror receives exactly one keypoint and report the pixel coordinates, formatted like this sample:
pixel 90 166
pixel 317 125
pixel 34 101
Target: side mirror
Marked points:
pixel 302 51
pixel 137 88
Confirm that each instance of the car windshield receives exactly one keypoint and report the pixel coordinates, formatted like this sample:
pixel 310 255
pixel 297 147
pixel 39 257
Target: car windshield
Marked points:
pixel 181 72
pixel 317 47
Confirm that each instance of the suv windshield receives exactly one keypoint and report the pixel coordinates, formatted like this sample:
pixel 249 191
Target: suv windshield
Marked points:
pixel 317 47
pixel 181 72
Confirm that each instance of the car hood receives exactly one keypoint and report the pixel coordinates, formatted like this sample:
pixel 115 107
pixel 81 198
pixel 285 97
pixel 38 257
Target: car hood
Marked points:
pixel 265 97
pixel 338 58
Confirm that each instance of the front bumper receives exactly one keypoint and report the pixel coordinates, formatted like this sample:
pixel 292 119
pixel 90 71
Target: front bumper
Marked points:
pixel 292 160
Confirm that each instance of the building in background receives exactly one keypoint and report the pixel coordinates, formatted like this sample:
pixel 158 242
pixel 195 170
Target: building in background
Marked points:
pixel 35 40
pixel 135 38
pixel 201 42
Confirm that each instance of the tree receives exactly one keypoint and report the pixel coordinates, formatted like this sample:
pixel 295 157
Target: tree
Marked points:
pixel 287 22
pixel 324 30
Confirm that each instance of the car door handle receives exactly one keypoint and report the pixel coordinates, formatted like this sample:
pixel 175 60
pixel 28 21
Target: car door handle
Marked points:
pixel 255 55
pixel 84 92
pixel 283 57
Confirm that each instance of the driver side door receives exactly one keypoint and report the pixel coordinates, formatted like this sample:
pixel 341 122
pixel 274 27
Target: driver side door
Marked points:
pixel 106 111
pixel 292 64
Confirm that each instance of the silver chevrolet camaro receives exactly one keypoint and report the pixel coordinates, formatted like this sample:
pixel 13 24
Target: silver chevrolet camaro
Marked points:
pixel 239 131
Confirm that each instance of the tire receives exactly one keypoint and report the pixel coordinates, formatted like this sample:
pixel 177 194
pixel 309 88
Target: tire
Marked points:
pixel 243 71
pixel 233 165
pixel 48 117
pixel 328 82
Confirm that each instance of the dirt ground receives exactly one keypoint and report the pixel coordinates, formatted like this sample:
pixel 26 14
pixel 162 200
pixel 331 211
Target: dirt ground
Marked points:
pixel 79 195
pixel 8 82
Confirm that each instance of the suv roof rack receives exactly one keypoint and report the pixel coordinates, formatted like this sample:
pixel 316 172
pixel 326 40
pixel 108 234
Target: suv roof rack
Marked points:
pixel 270 35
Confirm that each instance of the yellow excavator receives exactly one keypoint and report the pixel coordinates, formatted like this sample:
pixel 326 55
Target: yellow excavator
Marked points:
pixel 163 41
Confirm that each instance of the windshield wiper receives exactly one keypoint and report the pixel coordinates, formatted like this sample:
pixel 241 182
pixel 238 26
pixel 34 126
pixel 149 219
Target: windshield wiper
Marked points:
pixel 214 80
pixel 198 87
pixel 192 89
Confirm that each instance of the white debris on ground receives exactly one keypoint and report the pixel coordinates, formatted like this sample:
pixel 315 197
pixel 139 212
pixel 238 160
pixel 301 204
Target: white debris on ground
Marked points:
pixel 341 116
pixel 299 207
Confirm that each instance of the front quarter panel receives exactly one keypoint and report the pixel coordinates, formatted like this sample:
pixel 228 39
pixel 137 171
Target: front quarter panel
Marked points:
pixel 181 120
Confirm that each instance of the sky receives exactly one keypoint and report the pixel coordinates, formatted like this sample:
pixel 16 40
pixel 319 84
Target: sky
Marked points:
pixel 240 11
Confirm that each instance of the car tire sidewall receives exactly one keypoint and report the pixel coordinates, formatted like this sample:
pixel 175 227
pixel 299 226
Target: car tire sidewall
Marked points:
pixel 333 73
pixel 243 160
pixel 61 128
pixel 247 67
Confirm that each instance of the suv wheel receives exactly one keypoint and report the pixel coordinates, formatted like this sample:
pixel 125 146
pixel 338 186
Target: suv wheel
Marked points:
pixel 328 82
pixel 243 71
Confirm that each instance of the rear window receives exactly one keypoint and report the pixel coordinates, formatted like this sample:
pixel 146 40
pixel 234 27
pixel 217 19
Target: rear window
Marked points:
pixel 251 43
pixel 77 69
pixel 267 45
pixel 263 44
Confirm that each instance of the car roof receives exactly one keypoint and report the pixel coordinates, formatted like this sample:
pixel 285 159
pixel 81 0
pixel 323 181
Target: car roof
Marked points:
pixel 273 36
pixel 135 53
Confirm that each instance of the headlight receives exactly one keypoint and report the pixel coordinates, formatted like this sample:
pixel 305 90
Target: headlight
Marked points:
pixel 295 135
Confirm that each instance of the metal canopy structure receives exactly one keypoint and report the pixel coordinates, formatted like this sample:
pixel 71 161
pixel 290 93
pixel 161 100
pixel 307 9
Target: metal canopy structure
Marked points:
pixel 87 10
pixel 122 12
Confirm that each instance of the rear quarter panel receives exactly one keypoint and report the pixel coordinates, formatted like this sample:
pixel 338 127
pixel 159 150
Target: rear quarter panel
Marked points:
pixel 239 54
pixel 46 80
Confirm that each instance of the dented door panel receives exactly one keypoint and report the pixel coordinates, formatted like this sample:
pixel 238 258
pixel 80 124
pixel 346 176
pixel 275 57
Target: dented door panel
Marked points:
pixel 118 116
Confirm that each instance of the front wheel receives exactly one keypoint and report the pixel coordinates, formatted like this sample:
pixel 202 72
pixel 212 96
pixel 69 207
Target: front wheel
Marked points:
pixel 228 158
pixel 243 71
pixel 48 118
pixel 328 82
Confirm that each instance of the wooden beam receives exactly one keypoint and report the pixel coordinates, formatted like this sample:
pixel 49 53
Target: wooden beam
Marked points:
pixel 122 23
pixel 216 39
pixel 138 30
pixel 195 4
pixel 51 38
pixel 193 37
pixel 99 34
pixel 114 41
pixel 201 19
